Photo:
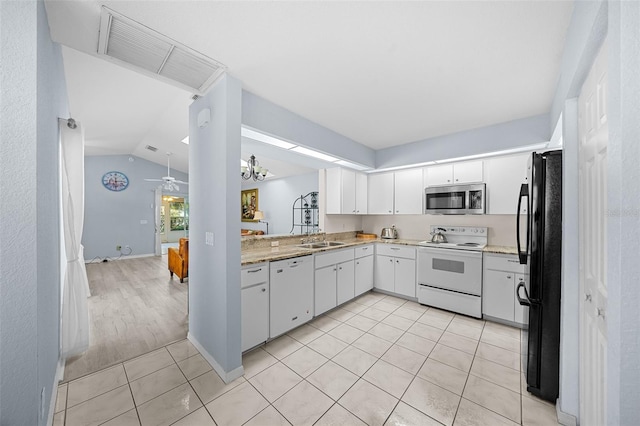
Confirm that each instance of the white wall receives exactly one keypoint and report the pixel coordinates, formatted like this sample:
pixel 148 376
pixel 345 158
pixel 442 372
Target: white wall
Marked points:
pixel 32 97
pixel 114 218
pixel 275 199
pixel 214 197
pixel 623 224
pixel 502 228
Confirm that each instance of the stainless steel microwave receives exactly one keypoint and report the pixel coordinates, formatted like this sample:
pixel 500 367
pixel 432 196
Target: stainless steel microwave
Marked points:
pixel 455 199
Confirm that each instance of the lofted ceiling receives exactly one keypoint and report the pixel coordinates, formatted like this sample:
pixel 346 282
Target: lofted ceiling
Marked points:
pixel 382 73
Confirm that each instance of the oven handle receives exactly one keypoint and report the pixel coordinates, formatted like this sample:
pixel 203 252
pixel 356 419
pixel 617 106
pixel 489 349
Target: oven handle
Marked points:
pixel 522 255
pixel 451 252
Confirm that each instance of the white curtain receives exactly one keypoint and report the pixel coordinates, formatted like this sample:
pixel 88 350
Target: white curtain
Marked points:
pixel 75 291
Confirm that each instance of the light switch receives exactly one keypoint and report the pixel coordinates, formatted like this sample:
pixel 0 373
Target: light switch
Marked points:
pixel 209 239
pixel 143 222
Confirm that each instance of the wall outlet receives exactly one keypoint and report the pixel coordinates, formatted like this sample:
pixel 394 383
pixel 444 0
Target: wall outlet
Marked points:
pixel 118 247
pixel 275 243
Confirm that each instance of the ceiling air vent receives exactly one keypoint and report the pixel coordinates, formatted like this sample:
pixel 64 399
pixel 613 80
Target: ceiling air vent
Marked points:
pixel 132 44
pixel 151 148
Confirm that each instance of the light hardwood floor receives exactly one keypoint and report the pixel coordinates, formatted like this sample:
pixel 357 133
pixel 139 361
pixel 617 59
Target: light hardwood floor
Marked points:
pixel 135 307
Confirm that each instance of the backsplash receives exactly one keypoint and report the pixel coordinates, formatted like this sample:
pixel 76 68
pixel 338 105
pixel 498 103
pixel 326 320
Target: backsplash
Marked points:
pixel 502 228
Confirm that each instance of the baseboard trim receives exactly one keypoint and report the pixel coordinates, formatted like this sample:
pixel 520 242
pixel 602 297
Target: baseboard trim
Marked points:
pixel 54 390
pixel 133 256
pixel 227 377
pixel 565 419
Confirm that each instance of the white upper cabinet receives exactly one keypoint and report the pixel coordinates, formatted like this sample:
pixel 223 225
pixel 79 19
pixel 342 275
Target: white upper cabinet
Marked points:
pixel 454 174
pixel 408 192
pixel 439 175
pixel 361 193
pixel 344 192
pixel 381 193
pixel 468 172
pixel 348 192
pixel 504 175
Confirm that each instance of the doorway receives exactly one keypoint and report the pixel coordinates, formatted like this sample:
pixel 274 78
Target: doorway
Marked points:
pixel 173 220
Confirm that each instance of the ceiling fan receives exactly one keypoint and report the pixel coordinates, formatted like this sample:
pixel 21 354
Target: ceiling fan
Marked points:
pixel 169 183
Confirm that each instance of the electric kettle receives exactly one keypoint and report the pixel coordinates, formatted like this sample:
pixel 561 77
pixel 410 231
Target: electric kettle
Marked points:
pixel 389 233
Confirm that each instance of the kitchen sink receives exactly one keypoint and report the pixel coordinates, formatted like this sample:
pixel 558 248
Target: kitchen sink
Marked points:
pixel 321 244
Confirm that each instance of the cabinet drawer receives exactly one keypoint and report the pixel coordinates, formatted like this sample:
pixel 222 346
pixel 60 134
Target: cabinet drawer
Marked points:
pixel 332 257
pixel 254 274
pixel 507 263
pixel 396 251
pixel 362 251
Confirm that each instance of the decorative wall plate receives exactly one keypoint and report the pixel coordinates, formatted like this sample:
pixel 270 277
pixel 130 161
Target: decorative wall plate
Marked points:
pixel 115 181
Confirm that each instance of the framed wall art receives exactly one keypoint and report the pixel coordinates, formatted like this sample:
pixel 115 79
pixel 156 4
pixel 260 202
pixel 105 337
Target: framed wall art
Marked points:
pixel 248 204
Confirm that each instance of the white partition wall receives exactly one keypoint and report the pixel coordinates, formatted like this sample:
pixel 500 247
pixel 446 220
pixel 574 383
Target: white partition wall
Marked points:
pixel 214 243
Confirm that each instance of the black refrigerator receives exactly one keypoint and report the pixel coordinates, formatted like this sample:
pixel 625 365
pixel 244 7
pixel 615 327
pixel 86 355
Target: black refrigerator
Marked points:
pixel 542 253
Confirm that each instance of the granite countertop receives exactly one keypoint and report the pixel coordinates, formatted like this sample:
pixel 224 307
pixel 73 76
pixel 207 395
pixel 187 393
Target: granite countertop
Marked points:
pixel 270 254
pixel 501 249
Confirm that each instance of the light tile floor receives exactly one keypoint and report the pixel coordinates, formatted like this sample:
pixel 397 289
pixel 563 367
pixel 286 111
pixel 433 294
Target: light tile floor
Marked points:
pixel 378 360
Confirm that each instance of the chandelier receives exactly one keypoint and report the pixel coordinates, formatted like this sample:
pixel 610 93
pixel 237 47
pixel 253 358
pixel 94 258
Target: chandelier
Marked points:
pixel 253 170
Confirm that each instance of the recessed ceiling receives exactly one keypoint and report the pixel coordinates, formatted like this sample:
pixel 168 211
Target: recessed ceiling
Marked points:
pixel 380 73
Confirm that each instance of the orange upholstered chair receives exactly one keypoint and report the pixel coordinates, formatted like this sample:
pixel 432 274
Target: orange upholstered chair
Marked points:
pixel 179 260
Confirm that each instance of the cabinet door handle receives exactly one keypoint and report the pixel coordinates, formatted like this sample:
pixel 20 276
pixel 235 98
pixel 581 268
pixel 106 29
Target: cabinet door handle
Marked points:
pixel 600 312
pixel 293 266
pixel 587 297
pixel 365 248
pixel 278 271
pixel 397 211
pixel 357 263
pixel 390 211
pixel 395 248
pixel 254 270
pixel 391 260
pixel 397 261
pixel 334 269
pixel 508 277
pixel 354 211
pixel 264 289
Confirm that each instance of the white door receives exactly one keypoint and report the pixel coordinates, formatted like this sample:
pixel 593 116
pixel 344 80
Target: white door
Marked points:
pixel 348 192
pixel 333 197
pixel 593 133
pixel 325 289
pixel 383 277
pixel 405 277
pixel 439 175
pixel 345 282
pixel 363 275
pixel 361 193
pixel 408 192
pixel 467 172
pixel 380 190
pixel 255 315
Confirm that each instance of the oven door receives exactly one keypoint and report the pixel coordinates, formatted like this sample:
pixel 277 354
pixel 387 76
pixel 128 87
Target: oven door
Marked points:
pixel 450 269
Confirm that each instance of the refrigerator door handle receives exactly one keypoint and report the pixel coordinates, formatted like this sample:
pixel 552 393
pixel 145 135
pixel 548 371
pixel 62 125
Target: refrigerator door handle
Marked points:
pixel 526 301
pixel 522 255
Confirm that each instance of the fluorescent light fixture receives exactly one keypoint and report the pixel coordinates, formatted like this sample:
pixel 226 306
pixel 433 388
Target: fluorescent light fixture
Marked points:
pixel 409 166
pixel 351 165
pixel 186 140
pixel 315 154
pixel 261 137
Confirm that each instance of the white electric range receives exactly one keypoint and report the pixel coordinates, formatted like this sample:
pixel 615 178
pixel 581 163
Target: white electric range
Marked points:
pixel 450 274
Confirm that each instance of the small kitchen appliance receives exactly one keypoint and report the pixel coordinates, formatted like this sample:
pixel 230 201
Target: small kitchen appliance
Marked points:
pixel 389 233
pixel 455 199
pixel 450 273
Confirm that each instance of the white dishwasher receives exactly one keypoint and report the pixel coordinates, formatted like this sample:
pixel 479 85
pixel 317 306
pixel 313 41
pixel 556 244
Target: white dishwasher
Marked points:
pixel 291 298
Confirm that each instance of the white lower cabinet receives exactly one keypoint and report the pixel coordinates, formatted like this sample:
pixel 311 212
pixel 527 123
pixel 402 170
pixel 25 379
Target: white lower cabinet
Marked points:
pixel 255 305
pixel 334 279
pixel 363 275
pixel 291 299
pixel 395 269
pixel 325 289
pixel 502 274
